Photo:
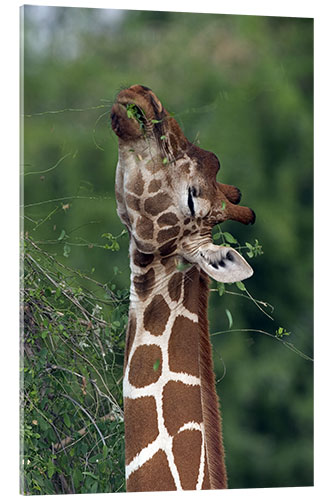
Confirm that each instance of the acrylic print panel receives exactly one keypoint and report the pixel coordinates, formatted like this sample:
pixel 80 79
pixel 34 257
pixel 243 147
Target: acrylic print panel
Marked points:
pixel 240 86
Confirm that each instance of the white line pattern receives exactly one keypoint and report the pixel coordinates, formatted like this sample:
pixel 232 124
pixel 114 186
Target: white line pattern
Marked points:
pixel 164 440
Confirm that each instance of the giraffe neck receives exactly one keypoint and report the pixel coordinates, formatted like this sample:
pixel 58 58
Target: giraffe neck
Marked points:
pixel 172 423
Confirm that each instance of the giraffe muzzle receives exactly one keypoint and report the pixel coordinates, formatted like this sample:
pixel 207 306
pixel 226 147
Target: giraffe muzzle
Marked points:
pixel 123 125
pixel 224 264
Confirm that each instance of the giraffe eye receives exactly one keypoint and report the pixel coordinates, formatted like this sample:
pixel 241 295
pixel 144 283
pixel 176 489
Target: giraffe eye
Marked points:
pixel 190 201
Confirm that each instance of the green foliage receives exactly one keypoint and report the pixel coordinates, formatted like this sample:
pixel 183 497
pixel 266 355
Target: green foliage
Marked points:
pixel 156 365
pixel 227 239
pixel 71 365
pixel 229 316
pixel 113 245
pixel 135 113
pixel 281 332
pixel 254 250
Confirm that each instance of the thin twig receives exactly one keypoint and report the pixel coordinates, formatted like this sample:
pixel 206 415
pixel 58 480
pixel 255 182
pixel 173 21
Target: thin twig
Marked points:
pixel 289 345
pixel 44 417
pixel 72 299
pixel 65 198
pixel 50 257
pixel 69 439
pixel 48 169
pixel 88 415
pixel 257 304
pixel 57 111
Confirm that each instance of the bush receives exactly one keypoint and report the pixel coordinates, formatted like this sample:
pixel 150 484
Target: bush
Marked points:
pixel 72 355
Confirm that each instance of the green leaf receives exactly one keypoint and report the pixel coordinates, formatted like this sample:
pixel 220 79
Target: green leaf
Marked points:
pixel 86 473
pixel 240 286
pixel 43 424
pixel 115 246
pixel 220 288
pixel 77 477
pixel 94 488
pixel 229 237
pixel 96 458
pixel 156 365
pixel 229 316
pixel 50 468
pixel 281 332
pixel 182 266
pixel 223 205
pixel 67 250
pixel 109 236
pixel 62 235
pixel 67 420
pixel 165 161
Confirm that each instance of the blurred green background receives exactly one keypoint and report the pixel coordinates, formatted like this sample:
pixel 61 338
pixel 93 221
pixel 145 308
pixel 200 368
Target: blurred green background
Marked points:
pixel 242 87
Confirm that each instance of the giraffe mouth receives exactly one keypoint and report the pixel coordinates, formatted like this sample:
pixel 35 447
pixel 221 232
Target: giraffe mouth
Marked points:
pixel 133 112
pixel 224 264
pixel 218 261
pixel 128 120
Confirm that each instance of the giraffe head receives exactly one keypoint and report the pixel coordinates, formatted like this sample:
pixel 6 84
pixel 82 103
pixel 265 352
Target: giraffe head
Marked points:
pixel 167 192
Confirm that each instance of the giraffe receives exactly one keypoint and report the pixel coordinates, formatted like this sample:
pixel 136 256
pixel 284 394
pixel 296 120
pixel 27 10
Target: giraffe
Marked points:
pixel 169 200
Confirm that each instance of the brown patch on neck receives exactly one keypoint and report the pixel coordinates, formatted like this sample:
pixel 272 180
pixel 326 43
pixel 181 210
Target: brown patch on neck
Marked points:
pixel 154 186
pixel 210 406
pixel 157 203
pixel 154 475
pixel 136 186
pixel 175 286
pixel 142 259
pixel 142 371
pixel 184 346
pixel 181 404
pixel 156 315
pixel 168 219
pixel 166 234
pixel 168 248
pixel 191 290
pixel 145 228
pixel 144 283
pixel 141 426
pixel 186 448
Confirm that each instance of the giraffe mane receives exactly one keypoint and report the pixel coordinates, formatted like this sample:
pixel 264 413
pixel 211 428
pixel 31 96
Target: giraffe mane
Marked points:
pixel 210 406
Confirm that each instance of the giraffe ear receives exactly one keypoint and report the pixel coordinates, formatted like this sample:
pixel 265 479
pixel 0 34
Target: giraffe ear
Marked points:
pixel 224 264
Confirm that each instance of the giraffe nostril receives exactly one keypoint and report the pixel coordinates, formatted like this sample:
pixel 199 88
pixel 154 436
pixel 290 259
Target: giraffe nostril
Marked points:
pixel 230 257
